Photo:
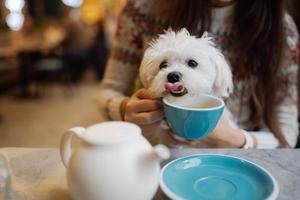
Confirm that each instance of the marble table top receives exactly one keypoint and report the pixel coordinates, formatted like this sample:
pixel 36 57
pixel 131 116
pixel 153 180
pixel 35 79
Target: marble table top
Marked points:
pixel 38 174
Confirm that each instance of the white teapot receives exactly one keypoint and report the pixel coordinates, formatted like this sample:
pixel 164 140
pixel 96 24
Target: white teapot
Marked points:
pixel 113 161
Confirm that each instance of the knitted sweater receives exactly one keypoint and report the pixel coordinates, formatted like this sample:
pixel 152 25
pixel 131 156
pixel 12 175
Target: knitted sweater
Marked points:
pixel 139 23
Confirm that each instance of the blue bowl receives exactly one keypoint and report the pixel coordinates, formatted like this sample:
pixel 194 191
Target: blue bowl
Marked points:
pixel 195 121
pixel 217 177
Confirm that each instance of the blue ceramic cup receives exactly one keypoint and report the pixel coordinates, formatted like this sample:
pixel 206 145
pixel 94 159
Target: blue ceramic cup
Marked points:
pixel 196 119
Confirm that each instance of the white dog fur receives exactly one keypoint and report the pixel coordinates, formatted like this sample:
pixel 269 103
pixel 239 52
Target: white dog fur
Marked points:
pixel 212 75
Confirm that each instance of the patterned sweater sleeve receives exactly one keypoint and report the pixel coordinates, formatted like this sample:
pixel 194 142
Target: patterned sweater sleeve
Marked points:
pixel 123 64
pixel 287 111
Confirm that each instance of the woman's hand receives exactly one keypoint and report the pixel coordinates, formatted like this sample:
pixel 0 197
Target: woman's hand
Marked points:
pixel 223 136
pixel 143 109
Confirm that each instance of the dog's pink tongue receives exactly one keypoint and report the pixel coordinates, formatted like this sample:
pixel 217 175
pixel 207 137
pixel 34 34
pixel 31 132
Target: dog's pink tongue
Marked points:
pixel 174 87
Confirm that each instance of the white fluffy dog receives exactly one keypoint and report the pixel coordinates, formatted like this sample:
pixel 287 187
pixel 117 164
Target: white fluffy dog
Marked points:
pixel 179 66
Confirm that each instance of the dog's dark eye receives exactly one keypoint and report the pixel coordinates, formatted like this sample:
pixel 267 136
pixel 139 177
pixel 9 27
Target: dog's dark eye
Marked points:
pixel 192 63
pixel 163 64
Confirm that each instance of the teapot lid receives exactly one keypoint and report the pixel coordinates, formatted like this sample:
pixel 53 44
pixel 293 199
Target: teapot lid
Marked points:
pixel 111 132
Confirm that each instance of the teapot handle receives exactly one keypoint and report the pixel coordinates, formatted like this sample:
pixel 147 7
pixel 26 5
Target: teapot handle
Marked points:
pixel 66 143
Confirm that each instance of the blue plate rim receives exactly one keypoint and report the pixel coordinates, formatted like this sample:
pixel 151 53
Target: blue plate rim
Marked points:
pixel 173 196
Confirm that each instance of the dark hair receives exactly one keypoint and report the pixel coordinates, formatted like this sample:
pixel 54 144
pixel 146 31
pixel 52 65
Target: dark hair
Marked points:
pixel 260 35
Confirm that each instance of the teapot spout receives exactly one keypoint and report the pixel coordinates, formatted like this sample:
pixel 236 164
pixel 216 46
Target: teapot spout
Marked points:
pixel 161 152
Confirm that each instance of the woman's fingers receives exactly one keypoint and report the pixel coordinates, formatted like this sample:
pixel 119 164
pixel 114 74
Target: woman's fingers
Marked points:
pixel 143 108
pixel 182 140
pixel 145 94
pixel 143 105
pixel 144 118
pixel 203 143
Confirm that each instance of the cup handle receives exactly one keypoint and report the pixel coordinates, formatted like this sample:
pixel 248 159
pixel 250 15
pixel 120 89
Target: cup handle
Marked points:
pixel 66 143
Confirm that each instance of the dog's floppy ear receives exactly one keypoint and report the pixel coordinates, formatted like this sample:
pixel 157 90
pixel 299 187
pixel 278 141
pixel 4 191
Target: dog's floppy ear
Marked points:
pixel 147 72
pixel 223 85
pixel 143 69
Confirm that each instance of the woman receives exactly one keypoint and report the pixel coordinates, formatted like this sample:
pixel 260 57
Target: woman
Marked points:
pixel 258 39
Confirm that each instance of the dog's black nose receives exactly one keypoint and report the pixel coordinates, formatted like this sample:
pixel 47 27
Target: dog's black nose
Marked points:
pixel 174 77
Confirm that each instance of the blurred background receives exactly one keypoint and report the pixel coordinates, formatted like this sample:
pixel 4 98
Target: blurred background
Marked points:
pixel 52 58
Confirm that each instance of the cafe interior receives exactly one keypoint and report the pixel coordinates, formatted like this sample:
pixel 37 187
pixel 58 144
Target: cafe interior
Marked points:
pixel 53 57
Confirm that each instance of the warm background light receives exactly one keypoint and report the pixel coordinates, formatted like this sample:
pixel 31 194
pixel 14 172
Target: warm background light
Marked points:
pixel 95 10
pixel 15 17
pixel 73 3
pixel 92 10
pixel 14 5
pixel 15 20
